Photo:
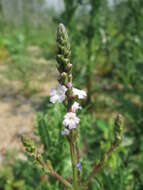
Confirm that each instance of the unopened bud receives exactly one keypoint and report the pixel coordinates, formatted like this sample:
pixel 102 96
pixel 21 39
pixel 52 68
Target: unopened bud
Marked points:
pixel 63 78
pixel 28 144
pixel 69 67
pixel 63 45
pixel 70 77
pixel 63 75
pixel 118 128
pixel 69 85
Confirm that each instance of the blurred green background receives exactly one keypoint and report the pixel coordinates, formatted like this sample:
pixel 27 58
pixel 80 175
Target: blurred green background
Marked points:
pixel 107 56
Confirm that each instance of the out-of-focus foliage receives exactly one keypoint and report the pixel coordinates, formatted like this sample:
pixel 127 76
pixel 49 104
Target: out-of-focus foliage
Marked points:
pixel 20 51
pixel 19 174
pixel 107 57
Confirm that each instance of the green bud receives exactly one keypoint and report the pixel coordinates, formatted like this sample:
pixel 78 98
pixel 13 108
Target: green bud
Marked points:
pixel 64 78
pixel 28 144
pixel 69 92
pixel 49 165
pixel 69 67
pixel 70 77
pixel 118 128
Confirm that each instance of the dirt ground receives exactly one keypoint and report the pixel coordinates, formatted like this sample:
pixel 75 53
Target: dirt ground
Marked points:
pixel 18 113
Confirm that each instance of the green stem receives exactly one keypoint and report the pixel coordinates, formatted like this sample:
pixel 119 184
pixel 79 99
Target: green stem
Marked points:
pixel 74 162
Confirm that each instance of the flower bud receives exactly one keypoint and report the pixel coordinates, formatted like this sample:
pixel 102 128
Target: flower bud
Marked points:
pixel 63 75
pixel 28 144
pixel 70 77
pixel 63 78
pixel 69 67
pixel 63 45
pixel 69 85
pixel 118 128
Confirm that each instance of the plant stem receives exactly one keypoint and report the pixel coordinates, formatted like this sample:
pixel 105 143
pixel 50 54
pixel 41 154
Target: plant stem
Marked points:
pixel 54 174
pixel 72 143
pixel 74 162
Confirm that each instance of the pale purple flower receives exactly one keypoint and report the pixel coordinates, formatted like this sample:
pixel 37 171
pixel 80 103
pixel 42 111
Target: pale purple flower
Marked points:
pixel 71 120
pixel 65 132
pixel 80 93
pixel 58 94
pixel 79 166
pixel 76 106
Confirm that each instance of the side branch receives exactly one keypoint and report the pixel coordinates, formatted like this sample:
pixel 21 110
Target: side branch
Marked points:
pixel 38 160
pixel 48 169
pixel 98 166
pixel 60 179
pixel 118 127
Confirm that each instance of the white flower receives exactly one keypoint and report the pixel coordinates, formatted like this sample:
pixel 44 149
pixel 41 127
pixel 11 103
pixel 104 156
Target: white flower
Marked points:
pixel 80 93
pixel 65 132
pixel 71 120
pixel 76 106
pixel 58 94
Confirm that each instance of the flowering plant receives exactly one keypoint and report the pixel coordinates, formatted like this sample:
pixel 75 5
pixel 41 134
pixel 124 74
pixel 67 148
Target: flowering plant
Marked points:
pixel 70 96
